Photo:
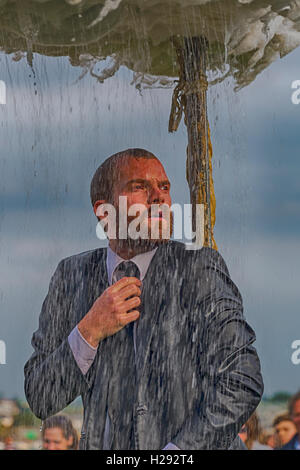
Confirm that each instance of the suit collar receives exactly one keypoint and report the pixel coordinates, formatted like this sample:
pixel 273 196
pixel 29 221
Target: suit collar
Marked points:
pixel 142 261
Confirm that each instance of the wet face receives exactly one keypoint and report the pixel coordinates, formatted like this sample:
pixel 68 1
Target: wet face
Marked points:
pixel 144 181
pixel 284 432
pixel 296 415
pixel 54 440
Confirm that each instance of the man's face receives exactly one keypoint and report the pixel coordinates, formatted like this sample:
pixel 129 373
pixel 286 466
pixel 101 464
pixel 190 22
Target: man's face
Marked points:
pixel 144 181
pixel 284 432
pixel 54 440
pixel 296 415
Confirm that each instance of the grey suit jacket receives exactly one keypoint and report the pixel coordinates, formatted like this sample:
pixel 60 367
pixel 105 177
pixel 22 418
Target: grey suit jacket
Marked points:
pixel 197 377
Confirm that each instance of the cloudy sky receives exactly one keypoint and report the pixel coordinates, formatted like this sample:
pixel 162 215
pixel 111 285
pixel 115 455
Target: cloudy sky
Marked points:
pixel 55 130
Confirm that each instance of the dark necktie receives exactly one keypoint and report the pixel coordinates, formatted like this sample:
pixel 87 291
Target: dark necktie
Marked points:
pixel 126 269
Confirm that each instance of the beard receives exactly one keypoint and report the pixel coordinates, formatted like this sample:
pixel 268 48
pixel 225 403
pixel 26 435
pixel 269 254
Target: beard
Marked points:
pixel 143 231
pixel 146 232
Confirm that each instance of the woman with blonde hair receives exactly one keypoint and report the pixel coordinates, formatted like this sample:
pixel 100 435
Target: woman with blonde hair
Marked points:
pixel 252 434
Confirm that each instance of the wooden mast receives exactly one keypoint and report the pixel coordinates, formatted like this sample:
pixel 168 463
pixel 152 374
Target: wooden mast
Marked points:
pixel 190 97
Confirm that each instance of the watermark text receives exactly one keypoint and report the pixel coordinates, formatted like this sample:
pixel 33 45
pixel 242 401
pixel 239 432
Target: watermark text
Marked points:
pixel 296 94
pixel 295 358
pixel 2 352
pixel 2 92
pixel 157 222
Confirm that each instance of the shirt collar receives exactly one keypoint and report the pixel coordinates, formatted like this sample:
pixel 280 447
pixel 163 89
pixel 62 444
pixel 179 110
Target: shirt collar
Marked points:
pixel 142 261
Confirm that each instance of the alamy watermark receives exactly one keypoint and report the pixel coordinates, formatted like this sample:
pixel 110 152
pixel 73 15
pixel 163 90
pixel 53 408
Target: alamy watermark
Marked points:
pixel 296 94
pixel 160 221
pixel 295 357
pixel 2 352
pixel 2 92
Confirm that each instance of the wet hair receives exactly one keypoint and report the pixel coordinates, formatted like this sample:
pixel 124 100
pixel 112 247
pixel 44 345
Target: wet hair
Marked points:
pixel 280 418
pixel 292 402
pixel 106 174
pixel 66 426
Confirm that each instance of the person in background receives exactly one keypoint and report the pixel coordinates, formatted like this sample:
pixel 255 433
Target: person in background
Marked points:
pixel 58 433
pixel 294 412
pixel 8 443
pixel 269 439
pixel 251 434
pixel 285 429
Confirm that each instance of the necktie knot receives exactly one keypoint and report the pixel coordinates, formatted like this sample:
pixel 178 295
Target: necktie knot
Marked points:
pixel 126 269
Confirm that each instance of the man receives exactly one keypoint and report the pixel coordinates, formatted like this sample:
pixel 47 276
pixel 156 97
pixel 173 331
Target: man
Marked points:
pixel 285 430
pixel 151 335
pixel 294 412
pixel 58 433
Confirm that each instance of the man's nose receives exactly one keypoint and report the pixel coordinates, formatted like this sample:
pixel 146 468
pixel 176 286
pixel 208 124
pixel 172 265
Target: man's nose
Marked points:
pixel 155 196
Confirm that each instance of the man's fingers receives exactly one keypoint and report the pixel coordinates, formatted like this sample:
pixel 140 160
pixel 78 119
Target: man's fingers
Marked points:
pixel 125 281
pixel 124 307
pixel 126 318
pixel 128 291
pixel 131 303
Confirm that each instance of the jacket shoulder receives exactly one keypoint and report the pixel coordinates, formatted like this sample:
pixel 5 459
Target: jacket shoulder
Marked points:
pixel 86 257
pixel 201 257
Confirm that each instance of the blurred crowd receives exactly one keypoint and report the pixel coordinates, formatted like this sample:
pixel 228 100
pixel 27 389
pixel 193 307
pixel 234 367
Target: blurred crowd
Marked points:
pixel 59 433
pixel 285 434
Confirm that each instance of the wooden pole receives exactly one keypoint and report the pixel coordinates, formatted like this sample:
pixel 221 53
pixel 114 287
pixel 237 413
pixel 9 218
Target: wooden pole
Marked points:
pixel 191 96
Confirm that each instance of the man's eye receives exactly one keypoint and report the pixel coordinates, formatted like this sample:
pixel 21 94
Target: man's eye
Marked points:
pixel 138 186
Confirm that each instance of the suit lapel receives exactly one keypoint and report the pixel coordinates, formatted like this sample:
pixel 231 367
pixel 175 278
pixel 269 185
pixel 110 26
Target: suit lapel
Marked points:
pixel 152 305
pixel 98 278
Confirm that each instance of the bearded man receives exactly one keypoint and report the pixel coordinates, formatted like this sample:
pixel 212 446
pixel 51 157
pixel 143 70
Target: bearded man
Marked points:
pixel 150 334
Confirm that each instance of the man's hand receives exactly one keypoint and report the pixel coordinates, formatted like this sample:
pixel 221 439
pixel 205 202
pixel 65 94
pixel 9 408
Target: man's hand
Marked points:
pixel 109 313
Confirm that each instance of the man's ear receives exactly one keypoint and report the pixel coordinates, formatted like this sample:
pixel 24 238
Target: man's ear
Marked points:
pixel 95 207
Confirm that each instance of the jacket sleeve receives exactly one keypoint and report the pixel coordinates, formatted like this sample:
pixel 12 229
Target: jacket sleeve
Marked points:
pixel 52 376
pixel 231 380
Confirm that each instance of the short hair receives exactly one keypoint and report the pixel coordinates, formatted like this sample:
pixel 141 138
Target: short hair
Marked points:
pixel 66 426
pixel 292 402
pixel 280 418
pixel 106 174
